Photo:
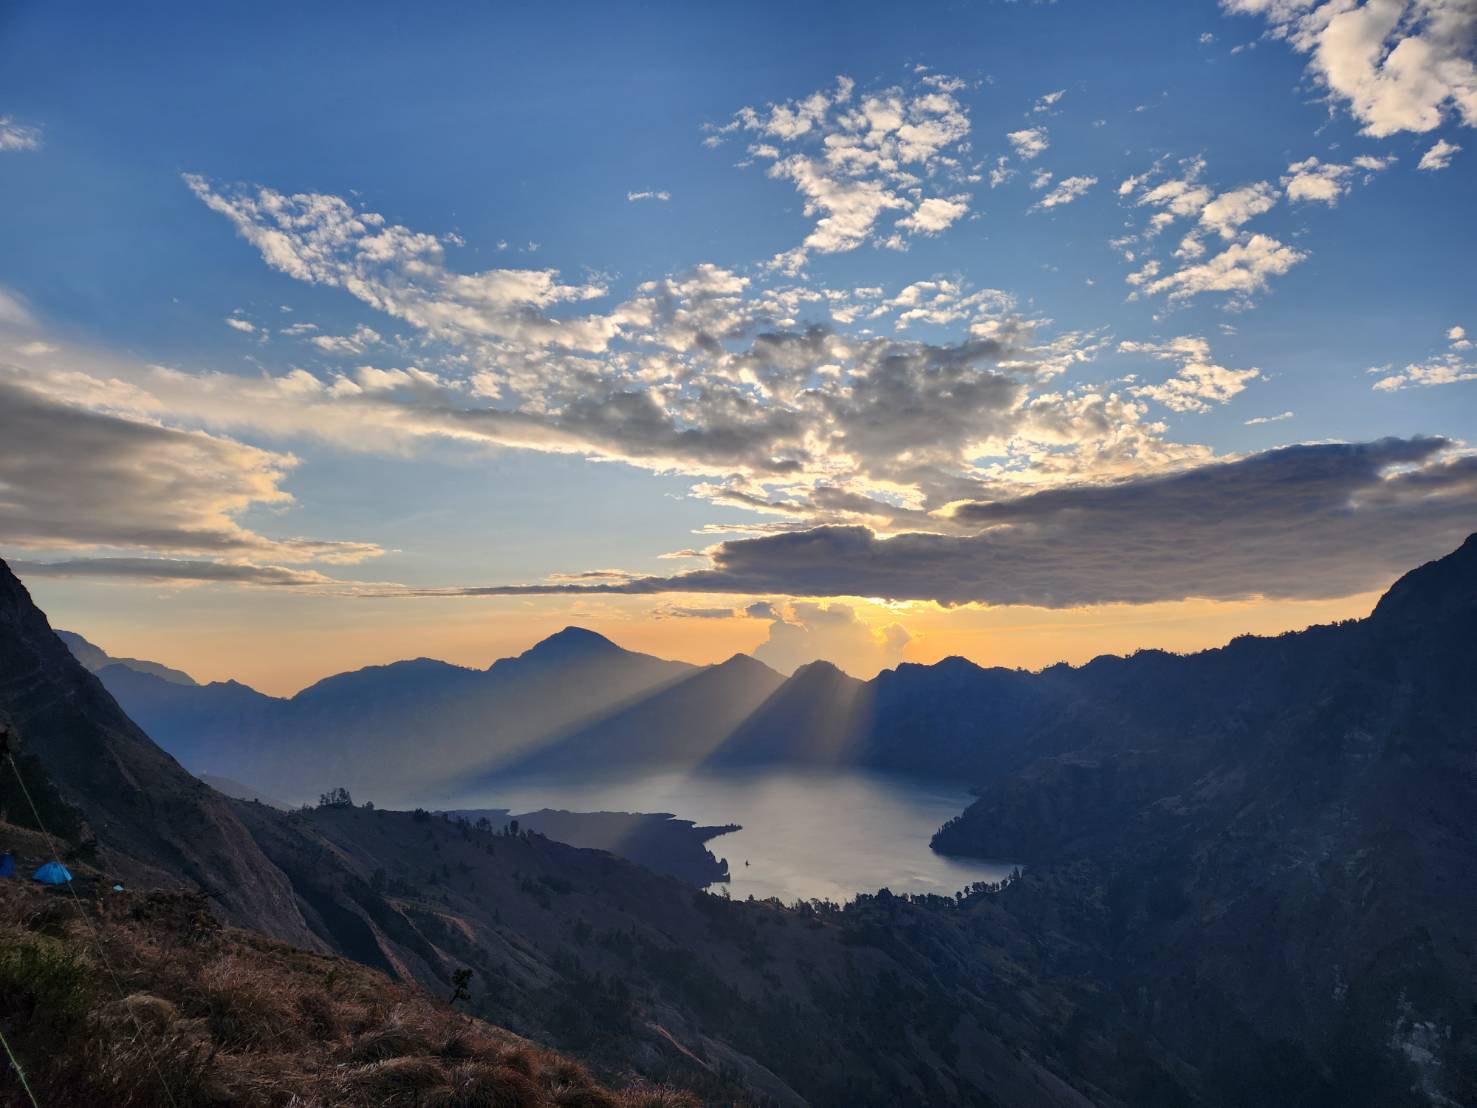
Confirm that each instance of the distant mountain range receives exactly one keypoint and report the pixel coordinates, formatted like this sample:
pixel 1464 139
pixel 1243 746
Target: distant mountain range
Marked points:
pixel 577 704
pixel 398 730
pixel 1251 872
pixel 96 659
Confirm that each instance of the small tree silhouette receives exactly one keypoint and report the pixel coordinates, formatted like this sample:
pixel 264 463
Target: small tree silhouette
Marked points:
pixel 335 798
pixel 461 979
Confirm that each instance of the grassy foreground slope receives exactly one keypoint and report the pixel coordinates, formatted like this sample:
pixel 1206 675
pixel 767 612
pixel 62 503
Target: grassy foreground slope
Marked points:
pixel 146 999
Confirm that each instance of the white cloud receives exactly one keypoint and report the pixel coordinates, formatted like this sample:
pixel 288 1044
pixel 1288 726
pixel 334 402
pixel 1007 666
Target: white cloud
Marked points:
pixel 1228 211
pixel 855 158
pixel 649 194
pixel 1397 65
pixel 1199 382
pixel 1176 193
pixel 1242 269
pixel 1311 179
pixel 935 214
pixel 1439 369
pixel 1257 421
pixel 357 343
pixel 1439 156
pixel 17 136
pixel 1448 368
pixel 1047 102
pixel 807 632
pixel 244 326
pixel 1067 190
pixel 1029 142
pixel 324 240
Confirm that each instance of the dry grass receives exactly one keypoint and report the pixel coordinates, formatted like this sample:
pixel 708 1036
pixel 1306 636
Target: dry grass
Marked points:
pixel 223 1017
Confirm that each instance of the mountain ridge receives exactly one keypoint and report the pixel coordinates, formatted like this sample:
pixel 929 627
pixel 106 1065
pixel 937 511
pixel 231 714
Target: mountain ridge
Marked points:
pixel 952 718
pixel 1249 880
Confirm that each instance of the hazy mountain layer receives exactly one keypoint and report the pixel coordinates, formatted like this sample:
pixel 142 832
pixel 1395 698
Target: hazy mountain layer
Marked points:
pixel 95 658
pixel 403 729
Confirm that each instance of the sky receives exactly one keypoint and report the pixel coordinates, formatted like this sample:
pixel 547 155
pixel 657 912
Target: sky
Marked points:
pixel 337 334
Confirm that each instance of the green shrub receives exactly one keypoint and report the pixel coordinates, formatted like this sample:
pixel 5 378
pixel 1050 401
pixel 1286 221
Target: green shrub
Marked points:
pixel 42 983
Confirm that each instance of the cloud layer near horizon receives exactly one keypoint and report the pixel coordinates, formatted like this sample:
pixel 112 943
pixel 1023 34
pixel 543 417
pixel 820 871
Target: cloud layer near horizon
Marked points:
pixel 1300 522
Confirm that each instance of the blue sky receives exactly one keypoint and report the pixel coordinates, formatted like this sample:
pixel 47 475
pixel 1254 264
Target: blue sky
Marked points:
pixel 334 305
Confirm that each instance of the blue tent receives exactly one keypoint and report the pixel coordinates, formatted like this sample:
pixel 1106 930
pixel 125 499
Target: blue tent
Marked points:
pixel 52 873
pixel 7 864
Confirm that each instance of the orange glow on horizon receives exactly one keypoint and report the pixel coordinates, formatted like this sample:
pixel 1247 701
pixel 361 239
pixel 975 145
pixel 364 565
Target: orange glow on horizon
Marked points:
pixel 280 644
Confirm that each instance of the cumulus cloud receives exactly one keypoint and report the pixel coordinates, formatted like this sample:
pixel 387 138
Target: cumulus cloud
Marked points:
pixel 935 214
pixel 17 136
pixel 1199 382
pixel 754 385
pixel 858 158
pixel 1300 522
pixel 357 343
pixel 324 240
pixel 1178 194
pixel 1241 269
pixel 1439 156
pixel 808 632
pixel 1439 369
pixel 1397 65
pixel 1447 368
pixel 1227 212
pixel 1029 142
pixel 1311 179
pixel 1067 190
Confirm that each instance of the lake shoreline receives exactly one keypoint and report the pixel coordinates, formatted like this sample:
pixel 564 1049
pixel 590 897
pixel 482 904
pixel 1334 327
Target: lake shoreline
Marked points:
pixel 788 833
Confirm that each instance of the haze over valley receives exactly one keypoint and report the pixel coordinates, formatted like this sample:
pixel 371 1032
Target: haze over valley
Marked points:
pixel 741 555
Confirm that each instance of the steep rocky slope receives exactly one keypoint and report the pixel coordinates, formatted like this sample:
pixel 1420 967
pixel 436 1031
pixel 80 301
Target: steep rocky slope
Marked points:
pixel 1273 865
pixel 106 789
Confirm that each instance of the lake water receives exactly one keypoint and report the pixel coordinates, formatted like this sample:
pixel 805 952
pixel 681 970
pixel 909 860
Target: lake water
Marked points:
pixel 806 834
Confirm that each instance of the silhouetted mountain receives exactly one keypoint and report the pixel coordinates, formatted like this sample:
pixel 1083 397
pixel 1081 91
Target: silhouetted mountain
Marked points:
pixel 676 727
pixel 812 718
pixel 573 644
pixel 1250 880
pixel 1265 853
pixel 393 730
pixel 95 658
pixel 107 792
